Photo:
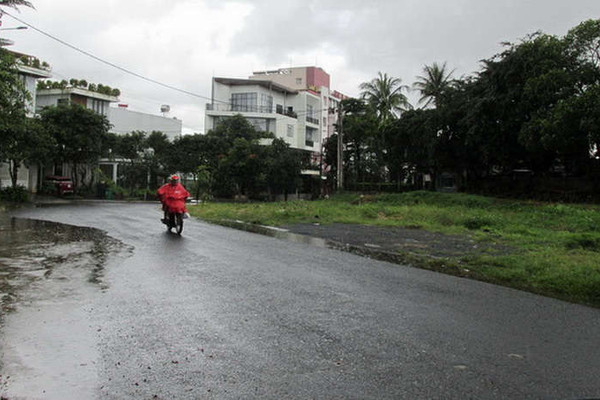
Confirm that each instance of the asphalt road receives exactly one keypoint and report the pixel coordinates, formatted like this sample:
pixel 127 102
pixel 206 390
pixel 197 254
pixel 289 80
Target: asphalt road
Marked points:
pixel 226 314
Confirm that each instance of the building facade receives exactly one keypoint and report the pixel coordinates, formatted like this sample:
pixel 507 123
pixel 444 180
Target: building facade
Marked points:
pixel 126 121
pixel 295 104
pixel 97 102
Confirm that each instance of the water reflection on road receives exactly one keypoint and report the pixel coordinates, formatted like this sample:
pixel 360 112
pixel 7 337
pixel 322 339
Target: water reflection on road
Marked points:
pixel 49 275
pixel 42 260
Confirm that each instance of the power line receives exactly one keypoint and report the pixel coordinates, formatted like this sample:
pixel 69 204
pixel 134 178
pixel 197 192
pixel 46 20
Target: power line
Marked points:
pixel 107 62
pixel 298 113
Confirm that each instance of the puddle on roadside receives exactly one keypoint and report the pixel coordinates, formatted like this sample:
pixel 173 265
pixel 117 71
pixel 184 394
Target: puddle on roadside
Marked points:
pixel 42 260
pixel 282 234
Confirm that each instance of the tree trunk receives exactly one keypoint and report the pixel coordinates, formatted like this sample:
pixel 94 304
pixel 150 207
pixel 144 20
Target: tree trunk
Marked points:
pixel 13 170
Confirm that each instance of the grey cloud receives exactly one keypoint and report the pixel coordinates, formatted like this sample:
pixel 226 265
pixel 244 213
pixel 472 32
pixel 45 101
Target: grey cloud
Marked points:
pixel 401 36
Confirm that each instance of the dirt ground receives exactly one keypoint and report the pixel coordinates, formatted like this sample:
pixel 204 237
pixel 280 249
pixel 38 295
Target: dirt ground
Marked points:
pixel 415 247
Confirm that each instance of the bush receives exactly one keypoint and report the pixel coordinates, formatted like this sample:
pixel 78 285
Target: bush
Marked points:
pixel 14 194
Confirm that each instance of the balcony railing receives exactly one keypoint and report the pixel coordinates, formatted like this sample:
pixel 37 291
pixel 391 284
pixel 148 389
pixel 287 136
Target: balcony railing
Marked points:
pixel 312 120
pixel 249 109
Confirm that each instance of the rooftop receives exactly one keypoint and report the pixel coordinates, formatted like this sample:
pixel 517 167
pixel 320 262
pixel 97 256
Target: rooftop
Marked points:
pixel 77 91
pixel 266 84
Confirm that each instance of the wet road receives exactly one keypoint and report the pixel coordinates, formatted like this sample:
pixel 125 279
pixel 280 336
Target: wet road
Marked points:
pixel 220 313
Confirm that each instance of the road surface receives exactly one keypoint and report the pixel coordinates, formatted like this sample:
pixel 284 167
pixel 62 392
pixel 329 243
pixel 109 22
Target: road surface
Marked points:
pixel 226 314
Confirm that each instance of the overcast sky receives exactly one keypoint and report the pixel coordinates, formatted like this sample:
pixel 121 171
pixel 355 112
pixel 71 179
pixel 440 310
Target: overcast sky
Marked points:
pixel 184 43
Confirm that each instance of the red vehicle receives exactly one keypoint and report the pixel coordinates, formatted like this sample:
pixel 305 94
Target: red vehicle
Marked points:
pixel 60 184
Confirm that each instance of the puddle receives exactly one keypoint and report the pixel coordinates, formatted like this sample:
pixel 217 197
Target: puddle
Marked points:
pixel 281 234
pixel 41 260
pixel 50 274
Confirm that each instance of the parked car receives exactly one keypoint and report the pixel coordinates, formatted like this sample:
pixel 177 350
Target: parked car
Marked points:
pixel 59 185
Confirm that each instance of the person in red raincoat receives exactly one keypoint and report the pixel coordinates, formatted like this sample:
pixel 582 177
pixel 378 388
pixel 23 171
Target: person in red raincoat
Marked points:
pixel 172 195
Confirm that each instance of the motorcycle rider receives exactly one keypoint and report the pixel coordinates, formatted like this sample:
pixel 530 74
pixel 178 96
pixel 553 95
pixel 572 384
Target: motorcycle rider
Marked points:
pixel 172 195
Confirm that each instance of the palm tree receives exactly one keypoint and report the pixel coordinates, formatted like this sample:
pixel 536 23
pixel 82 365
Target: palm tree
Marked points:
pixel 14 4
pixel 384 94
pixel 433 84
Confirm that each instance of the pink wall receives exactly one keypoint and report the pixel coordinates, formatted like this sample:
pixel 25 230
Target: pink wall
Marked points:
pixel 317 77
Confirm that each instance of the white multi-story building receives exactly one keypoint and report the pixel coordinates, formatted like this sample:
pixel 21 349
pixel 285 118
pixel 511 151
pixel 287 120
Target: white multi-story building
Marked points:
pixel 295 104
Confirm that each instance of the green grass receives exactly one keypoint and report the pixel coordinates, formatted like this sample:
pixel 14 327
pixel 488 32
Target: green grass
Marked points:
pixel 555 247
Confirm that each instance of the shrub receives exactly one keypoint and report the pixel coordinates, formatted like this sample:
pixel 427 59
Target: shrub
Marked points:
pixel 14 194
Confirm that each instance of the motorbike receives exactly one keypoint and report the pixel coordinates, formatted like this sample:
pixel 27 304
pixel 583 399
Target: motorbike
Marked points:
pixel 174 220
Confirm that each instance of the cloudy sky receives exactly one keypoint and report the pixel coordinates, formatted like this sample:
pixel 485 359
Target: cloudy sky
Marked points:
pixel 183 43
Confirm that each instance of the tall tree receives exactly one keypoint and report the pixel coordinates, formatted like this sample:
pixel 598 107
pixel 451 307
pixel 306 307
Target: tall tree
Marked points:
pixel 384 94
pixel 362 145
pixel 433 84
pixel 283 167
pixel 79 134
pixel 13 115
pixel 28 145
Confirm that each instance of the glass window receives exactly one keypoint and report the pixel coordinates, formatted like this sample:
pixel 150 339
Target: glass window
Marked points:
pixel 260 124
pixel 266 103
pixel 298 81
pixel 244 102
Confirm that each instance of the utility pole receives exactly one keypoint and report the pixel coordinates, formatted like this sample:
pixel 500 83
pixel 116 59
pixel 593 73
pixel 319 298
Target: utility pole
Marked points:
pixel 340 148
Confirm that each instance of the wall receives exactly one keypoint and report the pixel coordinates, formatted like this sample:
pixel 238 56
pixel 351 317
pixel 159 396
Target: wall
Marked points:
pixel 288 79
pixel 126 121
pixel 317 77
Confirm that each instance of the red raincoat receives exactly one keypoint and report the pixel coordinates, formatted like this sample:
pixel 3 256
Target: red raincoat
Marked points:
pixel 173 197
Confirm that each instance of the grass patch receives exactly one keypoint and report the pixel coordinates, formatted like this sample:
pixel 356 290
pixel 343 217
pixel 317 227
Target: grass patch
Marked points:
pixel 555 246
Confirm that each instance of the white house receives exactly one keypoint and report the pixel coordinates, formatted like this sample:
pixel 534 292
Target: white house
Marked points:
pixel 121 119
pixel 95 101
pixel 296 104
pixel 124 121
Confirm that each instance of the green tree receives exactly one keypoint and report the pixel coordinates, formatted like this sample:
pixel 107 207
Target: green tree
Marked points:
pixel 29 145
pixel 433 84
pixel 133 147
pixel 13 114
pixel 79 134
pixel 159 147
pixel 283 168
pixel 363 144
pixel 384 94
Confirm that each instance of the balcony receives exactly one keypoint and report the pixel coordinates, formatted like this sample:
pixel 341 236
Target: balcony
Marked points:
pixel 312 120
pixel 249 109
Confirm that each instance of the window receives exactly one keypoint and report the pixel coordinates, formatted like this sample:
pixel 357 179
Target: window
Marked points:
pixel 244 102
pixel 310 137
pixel 62 102
pixel 310 115
pixel 298 81
pixel 279 109
pixel 260 124
pixel 266 103
pixel 290 131
pixel 98 106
